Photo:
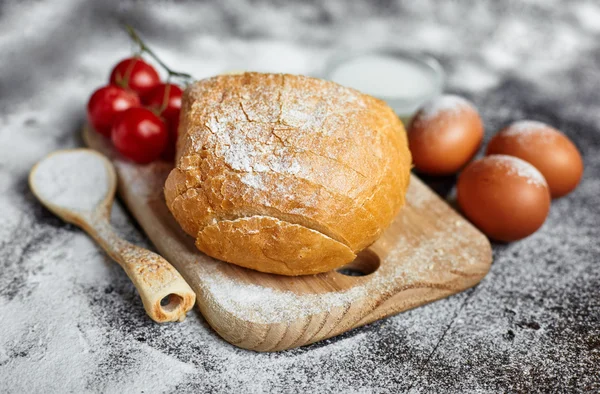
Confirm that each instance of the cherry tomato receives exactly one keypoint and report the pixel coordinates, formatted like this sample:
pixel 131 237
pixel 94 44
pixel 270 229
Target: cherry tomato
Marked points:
pixel 166 98
pixel 169 153
pixel 106 103
pixel 135 74
pixel 140 135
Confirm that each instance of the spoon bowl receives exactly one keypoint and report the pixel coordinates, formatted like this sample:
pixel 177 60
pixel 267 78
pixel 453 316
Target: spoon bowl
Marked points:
pixel 74 183
pixel 79 186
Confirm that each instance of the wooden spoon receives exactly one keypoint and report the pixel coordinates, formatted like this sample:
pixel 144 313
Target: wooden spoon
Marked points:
pixel 79 186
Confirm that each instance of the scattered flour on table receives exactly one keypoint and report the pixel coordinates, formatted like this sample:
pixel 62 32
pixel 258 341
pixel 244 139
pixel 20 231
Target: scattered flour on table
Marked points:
pixel 76 180
pixel 519 167
pixel 73 328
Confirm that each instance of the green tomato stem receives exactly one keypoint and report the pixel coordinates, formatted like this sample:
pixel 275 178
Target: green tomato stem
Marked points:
pixel 145 49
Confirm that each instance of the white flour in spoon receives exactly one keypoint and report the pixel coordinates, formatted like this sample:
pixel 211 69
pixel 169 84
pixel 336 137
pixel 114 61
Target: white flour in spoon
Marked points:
pixel 77 180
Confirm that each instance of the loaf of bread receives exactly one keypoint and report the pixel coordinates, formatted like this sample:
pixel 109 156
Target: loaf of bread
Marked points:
pixel 286 174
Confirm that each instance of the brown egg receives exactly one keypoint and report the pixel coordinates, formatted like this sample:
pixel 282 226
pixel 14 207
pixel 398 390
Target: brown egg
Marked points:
pixel 444 135
pixel 506 197
pixel 549 150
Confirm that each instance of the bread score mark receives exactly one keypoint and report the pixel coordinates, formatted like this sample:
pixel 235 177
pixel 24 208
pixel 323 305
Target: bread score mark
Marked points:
pixel 264 205
pixel 269 244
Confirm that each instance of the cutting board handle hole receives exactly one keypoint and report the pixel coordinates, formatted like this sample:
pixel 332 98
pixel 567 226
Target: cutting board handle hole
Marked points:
pixel 365 263
pixel 170 302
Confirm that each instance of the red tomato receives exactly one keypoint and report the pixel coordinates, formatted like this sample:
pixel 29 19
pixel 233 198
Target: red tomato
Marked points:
pixel 135 74
pixel 106 103
pixel 169 153
pixel 140 135
pixel 166 98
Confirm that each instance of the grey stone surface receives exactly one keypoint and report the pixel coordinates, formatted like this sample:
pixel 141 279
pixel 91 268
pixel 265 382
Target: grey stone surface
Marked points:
pixel 70 321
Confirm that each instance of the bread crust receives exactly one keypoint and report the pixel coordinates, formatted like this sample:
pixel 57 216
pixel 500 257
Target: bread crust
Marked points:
pixel 322 167
pixel 277 246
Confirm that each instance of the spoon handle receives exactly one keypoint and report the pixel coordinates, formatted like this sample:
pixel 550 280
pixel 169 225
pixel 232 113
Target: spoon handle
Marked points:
pixel 165 294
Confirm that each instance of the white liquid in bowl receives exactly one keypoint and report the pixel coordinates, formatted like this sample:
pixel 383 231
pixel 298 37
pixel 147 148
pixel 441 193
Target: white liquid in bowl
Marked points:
pixel 404 82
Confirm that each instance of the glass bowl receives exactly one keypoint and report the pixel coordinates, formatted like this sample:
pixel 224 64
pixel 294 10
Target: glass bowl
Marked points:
pixel 404 80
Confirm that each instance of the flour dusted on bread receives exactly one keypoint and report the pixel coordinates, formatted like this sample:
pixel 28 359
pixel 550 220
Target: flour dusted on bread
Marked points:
pixel 286 174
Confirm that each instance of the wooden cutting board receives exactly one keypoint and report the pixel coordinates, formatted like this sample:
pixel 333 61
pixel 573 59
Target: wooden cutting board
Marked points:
pixel 429 252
